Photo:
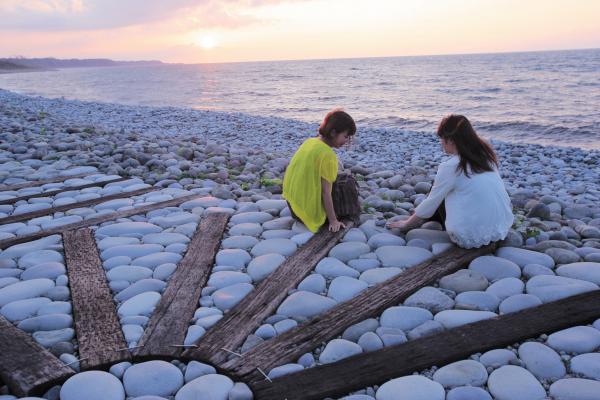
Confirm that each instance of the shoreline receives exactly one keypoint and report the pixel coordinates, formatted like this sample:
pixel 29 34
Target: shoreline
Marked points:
pixel 190 111
pixel 198 113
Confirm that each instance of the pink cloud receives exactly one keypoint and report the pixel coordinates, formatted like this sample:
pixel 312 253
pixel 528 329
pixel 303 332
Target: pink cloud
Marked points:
pixel 77 15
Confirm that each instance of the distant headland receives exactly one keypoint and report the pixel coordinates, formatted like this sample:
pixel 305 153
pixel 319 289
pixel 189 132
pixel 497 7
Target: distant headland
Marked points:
pixel 21 64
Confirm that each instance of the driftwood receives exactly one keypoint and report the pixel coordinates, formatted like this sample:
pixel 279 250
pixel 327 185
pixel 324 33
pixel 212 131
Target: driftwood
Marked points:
pixel 99 334
pixel 41 182
pixel 57 191
pixel 231 331
pixel 86 203
pixel 168 325
pixel 96 220
pixel 290 345
pixel 25 366
pixel 357 372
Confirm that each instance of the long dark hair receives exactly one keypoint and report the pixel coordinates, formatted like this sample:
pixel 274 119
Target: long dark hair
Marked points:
pixel 475 153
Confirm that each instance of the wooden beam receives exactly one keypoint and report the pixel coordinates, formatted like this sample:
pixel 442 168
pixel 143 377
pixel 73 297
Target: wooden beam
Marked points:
pixel 25 366
pixel 170 320
pixel 367 369
pixel 289 346
pixel 99 335
pixel 41 182
pixel 231 331
pixel 96 220
pixel 57 191
pixel 86 203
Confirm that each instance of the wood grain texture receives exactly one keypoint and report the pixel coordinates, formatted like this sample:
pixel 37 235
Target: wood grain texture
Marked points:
pixel 171 318
pixel 289 346
pixel 25 366
pixel 354 373
pixel 86 203
pixel 62 190
pixel 96 220
pixel 231 331
pixel 56 179
pixel 99 333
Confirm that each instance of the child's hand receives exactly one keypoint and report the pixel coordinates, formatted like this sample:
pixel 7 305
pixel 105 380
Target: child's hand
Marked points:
pixel 336 225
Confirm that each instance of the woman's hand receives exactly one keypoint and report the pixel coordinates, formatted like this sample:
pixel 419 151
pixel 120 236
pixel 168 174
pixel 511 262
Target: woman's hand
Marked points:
pixel 402 225
pixel 407 224
pixel 335 226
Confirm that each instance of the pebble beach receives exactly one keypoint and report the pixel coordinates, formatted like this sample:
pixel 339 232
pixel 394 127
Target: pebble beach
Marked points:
pixel 235 162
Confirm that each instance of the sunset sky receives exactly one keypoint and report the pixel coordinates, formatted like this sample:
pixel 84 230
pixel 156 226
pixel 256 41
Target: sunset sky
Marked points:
pixel 195 31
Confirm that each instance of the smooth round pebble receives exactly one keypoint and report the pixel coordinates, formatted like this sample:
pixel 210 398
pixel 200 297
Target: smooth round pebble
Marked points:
pixel 92 385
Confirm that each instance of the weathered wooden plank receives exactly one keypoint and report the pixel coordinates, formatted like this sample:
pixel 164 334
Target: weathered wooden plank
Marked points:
pixel 41 182
pixel 290 345
pixel 170 320
pixel 25 366
pixel 86 203
pixel 99 335
pixel 231 331
pixel 342 377
pixel 57 191
pixel 96 220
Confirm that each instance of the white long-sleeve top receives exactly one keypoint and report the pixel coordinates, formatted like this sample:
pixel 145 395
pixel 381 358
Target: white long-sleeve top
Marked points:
pixel 478 209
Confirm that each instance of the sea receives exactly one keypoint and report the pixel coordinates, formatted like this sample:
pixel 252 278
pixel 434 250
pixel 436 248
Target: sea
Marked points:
pixel 550 98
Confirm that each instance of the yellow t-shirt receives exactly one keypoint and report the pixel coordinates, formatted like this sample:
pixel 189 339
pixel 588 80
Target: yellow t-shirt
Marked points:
pixel 302 181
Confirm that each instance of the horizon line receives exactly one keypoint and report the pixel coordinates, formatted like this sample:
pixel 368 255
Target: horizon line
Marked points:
pixel 314 59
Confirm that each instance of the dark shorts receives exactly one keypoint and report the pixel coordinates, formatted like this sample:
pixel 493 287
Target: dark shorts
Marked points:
pixel 292 212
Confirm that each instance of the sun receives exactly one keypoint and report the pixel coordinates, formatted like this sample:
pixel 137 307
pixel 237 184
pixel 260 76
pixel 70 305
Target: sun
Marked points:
pixel 207 42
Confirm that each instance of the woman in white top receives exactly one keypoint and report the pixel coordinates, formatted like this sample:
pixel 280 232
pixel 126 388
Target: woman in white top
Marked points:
pixel 468 186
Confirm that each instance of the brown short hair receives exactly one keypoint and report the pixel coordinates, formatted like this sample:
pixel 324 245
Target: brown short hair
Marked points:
pixel 337 121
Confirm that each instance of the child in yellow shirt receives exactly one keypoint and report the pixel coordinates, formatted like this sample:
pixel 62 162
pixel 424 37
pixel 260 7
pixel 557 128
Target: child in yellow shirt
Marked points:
pixel 312 171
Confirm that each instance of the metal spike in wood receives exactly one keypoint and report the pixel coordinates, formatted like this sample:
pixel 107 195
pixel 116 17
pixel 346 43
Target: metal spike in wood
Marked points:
pixel 86 203
pixel 231 331
pixel 289 346
pixel 99 333
pixel 62 190
pixel 353 373
pixel 165 333
pixel 41 182
pixel 25 366
pixel 97 220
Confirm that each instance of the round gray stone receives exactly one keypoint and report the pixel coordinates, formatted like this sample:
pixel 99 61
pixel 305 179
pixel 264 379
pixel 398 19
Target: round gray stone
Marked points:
pixel 413 387
pixel 402 256
pixel 211 386
pixel 587 365
pixel 495 268
pixel 541 360
pixel 578 339
pixel 338 349
pixel 575 389
pixel 468 393
pixel 461 373
pixel 464 280
pixel 477 300
pixel 518 302
pixel 347 251
pixel 587 271
pixel 92 385
pixel 515 383
pixel 285 247
pixel 158 378
pixel 404 318
pixel 260 267
pixel 305 304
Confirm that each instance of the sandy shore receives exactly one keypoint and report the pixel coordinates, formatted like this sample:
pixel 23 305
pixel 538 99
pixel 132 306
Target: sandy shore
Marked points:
pixel 237 161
